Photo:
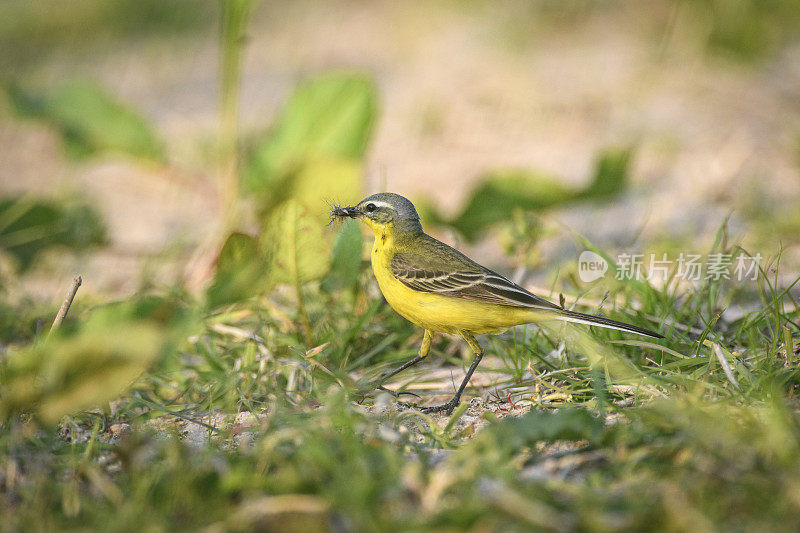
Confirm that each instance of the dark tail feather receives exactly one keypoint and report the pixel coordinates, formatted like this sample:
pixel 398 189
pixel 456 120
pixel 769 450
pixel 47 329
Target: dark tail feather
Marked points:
pixel 582 318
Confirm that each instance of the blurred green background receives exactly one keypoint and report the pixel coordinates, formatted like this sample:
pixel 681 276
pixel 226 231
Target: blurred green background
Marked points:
pixel 182 156
pixel 623 120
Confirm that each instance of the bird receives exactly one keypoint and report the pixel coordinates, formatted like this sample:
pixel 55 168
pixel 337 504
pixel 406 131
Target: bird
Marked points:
pixel 442 290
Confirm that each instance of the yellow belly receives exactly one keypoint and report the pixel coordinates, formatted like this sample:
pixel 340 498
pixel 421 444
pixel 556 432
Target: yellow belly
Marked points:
pixel 443 313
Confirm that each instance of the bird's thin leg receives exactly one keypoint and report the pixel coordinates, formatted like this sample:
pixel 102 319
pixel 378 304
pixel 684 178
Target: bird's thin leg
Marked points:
pixel 424 349
pixel 455 400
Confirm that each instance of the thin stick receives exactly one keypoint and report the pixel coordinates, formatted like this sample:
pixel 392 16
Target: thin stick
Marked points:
pixel 67 302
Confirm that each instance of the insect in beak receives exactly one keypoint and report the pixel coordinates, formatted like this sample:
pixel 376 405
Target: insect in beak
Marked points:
pixel 338 213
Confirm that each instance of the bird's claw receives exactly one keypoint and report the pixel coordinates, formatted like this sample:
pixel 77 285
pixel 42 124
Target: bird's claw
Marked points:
pixel 446 408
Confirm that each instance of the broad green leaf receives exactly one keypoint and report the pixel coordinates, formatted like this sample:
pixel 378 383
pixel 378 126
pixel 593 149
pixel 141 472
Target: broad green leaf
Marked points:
pixel 328 117
pixel 82 366
pixel 299 250
pixel 91 120
pixel 28 227
pixel 322 180
pixel 502 192
pixel 610 175
pixel 241 271
pixel 346 261
pixel 318 182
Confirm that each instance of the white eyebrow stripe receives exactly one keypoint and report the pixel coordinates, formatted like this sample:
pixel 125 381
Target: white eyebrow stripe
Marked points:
pixel 379 203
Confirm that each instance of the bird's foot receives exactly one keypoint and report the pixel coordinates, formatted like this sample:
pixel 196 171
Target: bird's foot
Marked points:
pixel 446 408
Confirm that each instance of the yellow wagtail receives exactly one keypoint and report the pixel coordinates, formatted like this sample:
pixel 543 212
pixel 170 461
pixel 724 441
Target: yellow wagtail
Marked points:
pixel 440 289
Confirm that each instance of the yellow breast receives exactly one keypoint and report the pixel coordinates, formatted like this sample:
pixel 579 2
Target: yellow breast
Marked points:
pixel 437 312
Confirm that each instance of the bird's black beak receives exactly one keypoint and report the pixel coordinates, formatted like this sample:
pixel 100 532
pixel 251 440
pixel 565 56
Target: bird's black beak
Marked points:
pixel 345 212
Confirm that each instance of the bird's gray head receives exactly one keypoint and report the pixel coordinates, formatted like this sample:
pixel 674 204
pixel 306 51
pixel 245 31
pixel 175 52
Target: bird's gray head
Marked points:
pixel 382 210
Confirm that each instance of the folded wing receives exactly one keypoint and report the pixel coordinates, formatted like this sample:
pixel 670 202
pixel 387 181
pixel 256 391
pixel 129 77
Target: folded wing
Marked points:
pixel 477 284
pixel 471 281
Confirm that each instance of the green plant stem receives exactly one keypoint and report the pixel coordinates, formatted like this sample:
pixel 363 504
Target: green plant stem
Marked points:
pixel 235 14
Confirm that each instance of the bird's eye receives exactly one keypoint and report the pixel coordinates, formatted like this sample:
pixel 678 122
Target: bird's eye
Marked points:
pixel 370 208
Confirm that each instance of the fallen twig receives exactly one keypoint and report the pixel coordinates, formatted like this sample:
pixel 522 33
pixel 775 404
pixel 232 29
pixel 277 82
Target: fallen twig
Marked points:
pixel 67 303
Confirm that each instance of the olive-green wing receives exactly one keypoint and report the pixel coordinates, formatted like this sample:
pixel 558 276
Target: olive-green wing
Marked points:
pixel 437 268
pixel 458 278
